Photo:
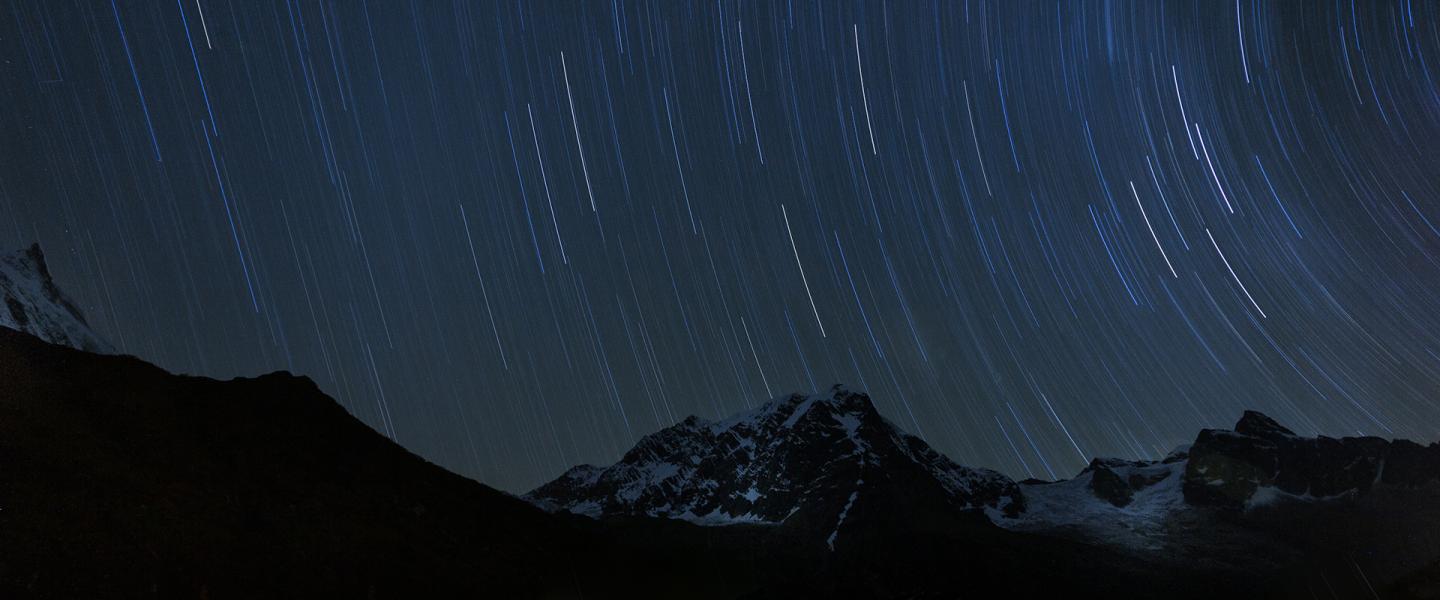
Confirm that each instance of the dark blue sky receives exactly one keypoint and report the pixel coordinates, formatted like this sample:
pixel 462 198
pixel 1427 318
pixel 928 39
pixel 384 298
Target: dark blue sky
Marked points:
pixel 517 236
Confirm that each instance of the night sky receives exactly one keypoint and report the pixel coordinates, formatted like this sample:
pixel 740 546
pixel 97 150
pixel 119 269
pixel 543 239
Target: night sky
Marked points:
pixel 518 236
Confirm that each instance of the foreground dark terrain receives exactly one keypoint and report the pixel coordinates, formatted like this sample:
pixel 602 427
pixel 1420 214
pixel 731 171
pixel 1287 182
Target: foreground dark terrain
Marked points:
pixel 119 480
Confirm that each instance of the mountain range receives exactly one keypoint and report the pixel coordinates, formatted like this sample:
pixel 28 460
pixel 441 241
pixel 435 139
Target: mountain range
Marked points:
pixel 1256 503
pixel 118 479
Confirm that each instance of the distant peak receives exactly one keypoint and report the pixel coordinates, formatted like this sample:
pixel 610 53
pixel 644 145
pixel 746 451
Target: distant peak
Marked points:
pixel 1257 424
pixel 802 455
pixel 31 302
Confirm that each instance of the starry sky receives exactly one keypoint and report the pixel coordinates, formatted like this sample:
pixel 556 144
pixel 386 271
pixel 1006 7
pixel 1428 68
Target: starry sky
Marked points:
pixel 517 236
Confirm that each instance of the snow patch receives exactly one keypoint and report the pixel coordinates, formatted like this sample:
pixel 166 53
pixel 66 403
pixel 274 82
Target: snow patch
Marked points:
pixel 720 517
pixel 751 494
pixel 1267 495
pixel 830 541
pixel 1071 505
pixel 589 508
pixel 800 411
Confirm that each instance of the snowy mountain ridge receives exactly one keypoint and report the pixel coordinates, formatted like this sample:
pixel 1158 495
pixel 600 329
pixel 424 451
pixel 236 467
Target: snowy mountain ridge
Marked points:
pixel 793 455
pixel 818 463
pixel 34 305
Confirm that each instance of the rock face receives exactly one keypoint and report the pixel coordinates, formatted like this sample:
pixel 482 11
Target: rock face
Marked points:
pixel 1262 461
pixel 797 458
pixel 1116 481
pixel 34 305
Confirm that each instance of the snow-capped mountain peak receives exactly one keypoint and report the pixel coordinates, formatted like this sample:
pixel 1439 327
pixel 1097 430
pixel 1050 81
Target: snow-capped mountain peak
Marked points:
pixel 33 304
pixel 832 469
pixel 811 458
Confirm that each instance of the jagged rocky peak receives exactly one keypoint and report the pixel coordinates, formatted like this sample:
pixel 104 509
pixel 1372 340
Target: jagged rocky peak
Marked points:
pixel 1256 424
pixel 35 305
pixel 1261 462
pixel 808 455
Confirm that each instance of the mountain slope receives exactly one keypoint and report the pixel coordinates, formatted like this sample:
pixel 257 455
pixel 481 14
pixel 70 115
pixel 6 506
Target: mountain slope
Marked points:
pixel 34 305
pixel 118 479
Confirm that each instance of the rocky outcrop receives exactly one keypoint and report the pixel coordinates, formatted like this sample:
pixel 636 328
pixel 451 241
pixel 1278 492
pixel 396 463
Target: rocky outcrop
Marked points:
pixel 1261 461
pixel 1116 481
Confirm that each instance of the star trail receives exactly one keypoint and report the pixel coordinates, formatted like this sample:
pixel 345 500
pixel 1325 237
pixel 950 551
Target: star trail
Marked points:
pixel 518 236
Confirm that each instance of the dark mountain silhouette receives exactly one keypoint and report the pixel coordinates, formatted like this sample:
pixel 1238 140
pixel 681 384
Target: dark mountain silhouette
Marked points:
pixel 120 480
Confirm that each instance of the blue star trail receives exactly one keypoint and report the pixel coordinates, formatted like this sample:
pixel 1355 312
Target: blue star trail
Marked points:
pixel 517 236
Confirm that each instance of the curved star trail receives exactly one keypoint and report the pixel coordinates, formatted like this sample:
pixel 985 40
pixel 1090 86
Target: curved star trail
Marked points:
pixel 518 236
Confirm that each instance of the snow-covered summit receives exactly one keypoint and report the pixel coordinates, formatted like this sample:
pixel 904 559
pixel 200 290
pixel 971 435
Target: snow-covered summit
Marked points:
pixel 815 458
pixel 34 305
